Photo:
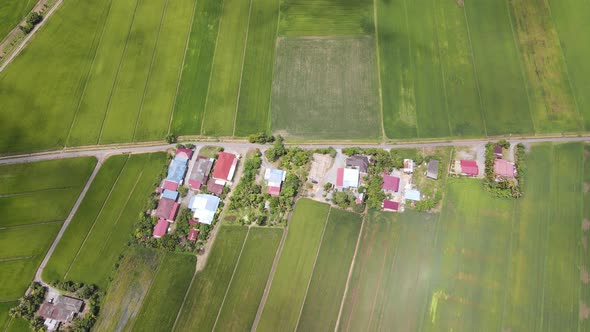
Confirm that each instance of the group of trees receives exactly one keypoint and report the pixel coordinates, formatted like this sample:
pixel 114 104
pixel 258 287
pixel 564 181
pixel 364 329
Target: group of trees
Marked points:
pixel 501 187
pixel 28 306
pixel 88 292
pixel 261 138
pixel 32 20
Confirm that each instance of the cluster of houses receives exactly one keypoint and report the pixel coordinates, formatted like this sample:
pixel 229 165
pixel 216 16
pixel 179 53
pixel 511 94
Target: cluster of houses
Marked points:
pixel 398 184
pixel 206 172
pixel 60 310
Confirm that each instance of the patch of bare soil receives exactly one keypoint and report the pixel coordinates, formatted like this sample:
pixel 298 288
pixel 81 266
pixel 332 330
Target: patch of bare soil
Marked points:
pixel 586 187
pixel 584 276
pixel 584 311
pixel 586 224
pixel 585 242
pixel 460 3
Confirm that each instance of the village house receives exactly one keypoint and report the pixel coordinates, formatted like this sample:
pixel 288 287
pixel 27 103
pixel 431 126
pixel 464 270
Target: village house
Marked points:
pixel 204 207
pixel 61 310
pixel 167 209
pixel 347 178
pixel 359 162
pixel 469 167
pixel 408 166
pixel 390 206
pixel 223 172
pixel 274 179
pixel 200 172
pixel 170 194
pixel 184 153
pixel 498 151
pixel 177 170
pixel 504 169
pixel 412 195
pixel 160 229
pixel 432 170
pixel 390 183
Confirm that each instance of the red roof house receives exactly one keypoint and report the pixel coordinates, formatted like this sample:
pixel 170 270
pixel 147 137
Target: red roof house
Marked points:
pixel 498 151
pixel 390 206
pixel 469 167
pixel 339 177
pixel 273 191
pixel 167 209
pixel 173 186
pixel 184 153
pixel 225 166
pixel 193 234
pixel 390 183
pixel 160 229
pixel 214 187
pixel 193 222
pixel 504 168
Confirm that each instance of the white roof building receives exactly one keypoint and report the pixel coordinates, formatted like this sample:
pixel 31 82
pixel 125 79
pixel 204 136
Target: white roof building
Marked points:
pixel 204 207
pixel 274 177
pixel 347 177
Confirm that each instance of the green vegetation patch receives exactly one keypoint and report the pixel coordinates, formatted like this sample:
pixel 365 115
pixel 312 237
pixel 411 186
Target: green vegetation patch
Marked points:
pixel 85 217
pixel 322 303
pixel 209 286
pixel 295 266
pixel 27 241
pixel 39 206
pixel 160 307
pixel 11 13
pixel 196 71
pixel 326 17
pixel 4 308
pixel 326 88
pixel 255 90
pixel 245 292
pixel 16 276
pixel 226 73
pixel 129 287
pixel 389 283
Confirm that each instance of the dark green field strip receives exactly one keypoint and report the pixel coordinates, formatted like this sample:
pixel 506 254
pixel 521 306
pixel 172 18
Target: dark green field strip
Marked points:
pixel 128 91
pixel 27 240
pixel 295 267
pixel 85 217
pixel 562 271
pixel 245 292
pixel 16 276
pixel 131 284
pixel 552 101
pixel 472 246
pixel 4 308
pixel 326 17
pixel 221 106
pixel 160 90
pixel 160 306
pixel 62 50
pixel 204 298
pixel 572 23
pixel 498 68
pixel 11 13
pixel 43 175
pixel 322 303
pixel 37 207
pixel 108 237
pixel 255 91
pixel 98 86
pixel 196 71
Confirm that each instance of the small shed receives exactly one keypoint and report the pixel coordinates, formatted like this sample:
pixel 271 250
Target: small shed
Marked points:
pixel 193 234
pixel 408 166
pixel 469 167
pixel 498 151
pixel 390 206
pixel 412 194
pixel 432 171
pixel 160 229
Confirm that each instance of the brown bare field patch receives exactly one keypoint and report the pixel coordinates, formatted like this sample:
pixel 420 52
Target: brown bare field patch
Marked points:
pixel 585 242
pixel 584 276
pixel 586 187
pixel 585 224
pixel 584 311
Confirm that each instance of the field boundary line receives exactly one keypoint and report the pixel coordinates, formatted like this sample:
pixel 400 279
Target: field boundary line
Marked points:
pixel 190 285
pixel 212 64
pixel 380 90
pixel 313 267
pixel 412 64
pixel 181 69
pixel 242 70
pixel 22 193
pixel 476 75
pixel 148 80
pixel 16 258
pixel 525 81
pixel 269 280
pixel 509 273
pixel 549 210
pixel 274 64
pixel 232 278
pixel 89 74
pixel 442 70
pixel 567 71
pixel 350 270
pixel 116 80
pixel 582 215
pixel 96 218
pixel 32 224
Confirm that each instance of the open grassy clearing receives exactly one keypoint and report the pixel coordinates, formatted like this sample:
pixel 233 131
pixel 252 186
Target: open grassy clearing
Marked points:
pixel 107 238
pixel 128 289
pixel 252 272
pixel 18 325
pixel 322 302
pixel 205 296
pixel 4 318
pixel 36 207
pixel 552 101
pixel 160 91
pixel 389 282
pixel 11 13
pixel 326 89
pixel 295 267
pixel 326 17
pixel 164 298
pixel 43 175
pixel 254 102
pixel 27 241
pixel 226 72
pixel 572 25
pixel 196 71
pixel 62 50
pixel 82 222
pixel 16 276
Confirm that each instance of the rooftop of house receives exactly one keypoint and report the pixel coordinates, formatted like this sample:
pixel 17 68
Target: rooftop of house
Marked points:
pixel 360 162
pixel 390 205
pixel 274 176
pixel 204 207
pixel 167 209
pixel 63 308
pixel 432 171
pixel 469 167
pixel 200 172
pixel 504 168
pixel 171 194
pixel 176 170
pixel 225 166
pixel 160 229
pixel 347 177
pixel 412 194
pixel 390 183
pixel 184 153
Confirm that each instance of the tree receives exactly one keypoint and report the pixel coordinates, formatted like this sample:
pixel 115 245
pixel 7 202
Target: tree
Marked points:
pixel 34 18
pixel 171 138
pixel 182 190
